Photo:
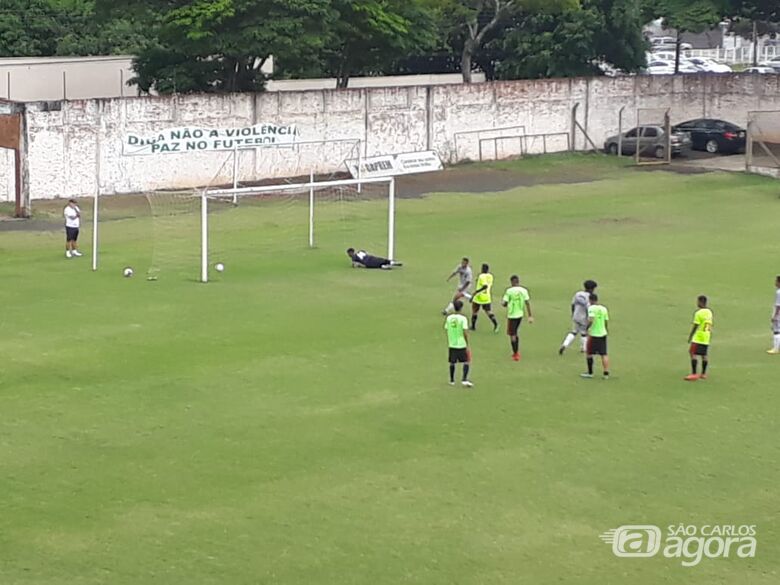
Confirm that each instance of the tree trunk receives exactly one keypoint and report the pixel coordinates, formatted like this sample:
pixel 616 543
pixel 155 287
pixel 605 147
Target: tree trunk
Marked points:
pixel 677 53
pixel 465 60
pixel 755 43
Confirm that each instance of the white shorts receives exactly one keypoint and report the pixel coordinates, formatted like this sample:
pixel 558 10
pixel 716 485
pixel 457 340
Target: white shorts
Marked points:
pixel 579 328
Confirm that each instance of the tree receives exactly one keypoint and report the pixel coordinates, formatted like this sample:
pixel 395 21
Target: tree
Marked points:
pixel 368 37
pixel 221 45
pixel 571 43
pixel 30 28
pixel 473 22
pixel 687 16
pixel 760 16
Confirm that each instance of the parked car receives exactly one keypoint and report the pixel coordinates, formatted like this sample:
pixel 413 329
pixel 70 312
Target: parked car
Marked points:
pixel 652 140
pixel 709 65
pixel 668 43
pixel 713 135
pixel 664 67
pixel 761 70
pixel 774 63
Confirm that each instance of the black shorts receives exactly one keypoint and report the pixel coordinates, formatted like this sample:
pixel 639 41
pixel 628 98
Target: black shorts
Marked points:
pixel 699 349
pixel 475 307
pixel 597 346
pixel 375 262
pixel 459 355
pixel 71 234
pixel 512 325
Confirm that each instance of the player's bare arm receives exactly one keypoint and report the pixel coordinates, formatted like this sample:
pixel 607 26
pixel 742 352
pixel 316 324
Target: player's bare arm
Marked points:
pixel 693 332
pixel 530 313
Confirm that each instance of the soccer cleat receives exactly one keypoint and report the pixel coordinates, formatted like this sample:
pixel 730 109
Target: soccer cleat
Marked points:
pixel 516 357
pixel 68 254
pixel 703 377
pixel 561 350
pixel 773 351
pixel 605 377
pixel 452 382
pixel 77 253
pixel 495 328
pixel 467 383
pixel 586 375
pixel 691 377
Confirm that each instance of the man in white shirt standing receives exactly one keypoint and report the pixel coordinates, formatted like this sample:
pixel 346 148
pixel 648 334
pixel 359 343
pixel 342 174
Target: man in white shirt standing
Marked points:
pixel 72 215
pixel 776 321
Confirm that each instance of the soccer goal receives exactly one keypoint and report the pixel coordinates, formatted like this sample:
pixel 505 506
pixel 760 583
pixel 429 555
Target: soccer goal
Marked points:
pixel 762 148
pixel 331 215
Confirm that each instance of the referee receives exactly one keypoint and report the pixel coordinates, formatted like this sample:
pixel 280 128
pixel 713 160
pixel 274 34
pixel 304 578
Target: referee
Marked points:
pixel 72 215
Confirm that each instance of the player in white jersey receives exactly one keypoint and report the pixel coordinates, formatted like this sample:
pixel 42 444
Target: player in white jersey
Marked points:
pixel 579 316
pixel 776 321
pixel 465 280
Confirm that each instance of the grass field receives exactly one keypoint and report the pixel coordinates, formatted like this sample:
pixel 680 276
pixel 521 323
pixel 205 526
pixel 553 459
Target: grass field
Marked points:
pixel 291 423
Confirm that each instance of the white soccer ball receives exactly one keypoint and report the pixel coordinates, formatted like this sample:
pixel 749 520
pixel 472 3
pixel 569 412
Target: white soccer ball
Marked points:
pixel 219 267
pixel 127 272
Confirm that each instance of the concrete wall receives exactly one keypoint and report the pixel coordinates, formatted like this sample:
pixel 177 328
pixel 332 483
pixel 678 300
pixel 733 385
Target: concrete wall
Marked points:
pixel 74 147
pixel 56 78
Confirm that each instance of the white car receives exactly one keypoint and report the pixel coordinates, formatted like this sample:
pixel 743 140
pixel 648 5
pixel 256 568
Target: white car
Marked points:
pixel 774 63
pixel 709 65
pixel 666 67
pixel 761 70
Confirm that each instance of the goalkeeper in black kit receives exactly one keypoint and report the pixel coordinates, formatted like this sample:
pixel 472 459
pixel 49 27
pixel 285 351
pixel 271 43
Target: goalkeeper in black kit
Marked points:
pixel 362 259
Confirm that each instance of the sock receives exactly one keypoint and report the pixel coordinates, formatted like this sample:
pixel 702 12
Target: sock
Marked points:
pixel 452 372
pixel 590 365
pixel 584 342
pixel 777 341
pixel 492 318
pixel 568 339
pixel 515 346
pixel 449 308
pixel 466 295
pixel 694 365
pixel 474 321
pixel 606 373
pixel 704 365
pixel 466 369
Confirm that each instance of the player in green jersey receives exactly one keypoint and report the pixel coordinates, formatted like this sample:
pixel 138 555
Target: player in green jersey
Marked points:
pixel 517 302
pixel 456 326
pixel 598 329
pixel 699 340
pixel 482 298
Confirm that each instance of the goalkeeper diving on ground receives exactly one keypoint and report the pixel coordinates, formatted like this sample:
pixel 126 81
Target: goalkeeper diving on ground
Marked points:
pixel 362 259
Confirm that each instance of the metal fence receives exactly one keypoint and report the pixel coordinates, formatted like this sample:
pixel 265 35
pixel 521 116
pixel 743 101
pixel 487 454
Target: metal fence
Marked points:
pixel 742 55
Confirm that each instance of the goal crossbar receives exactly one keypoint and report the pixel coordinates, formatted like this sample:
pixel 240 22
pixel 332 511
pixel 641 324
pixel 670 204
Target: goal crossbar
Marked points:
pixel 296 186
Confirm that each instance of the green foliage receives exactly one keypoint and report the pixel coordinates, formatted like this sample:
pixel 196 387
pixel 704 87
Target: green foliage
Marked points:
pixel 222 45
pixel 30 28
pixel 570 43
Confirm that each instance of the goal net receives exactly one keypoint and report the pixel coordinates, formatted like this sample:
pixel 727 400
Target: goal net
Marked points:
pixel 283 220
pixel 762 149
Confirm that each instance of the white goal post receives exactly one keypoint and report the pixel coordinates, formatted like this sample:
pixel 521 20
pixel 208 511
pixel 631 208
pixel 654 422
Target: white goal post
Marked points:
pixel 312 187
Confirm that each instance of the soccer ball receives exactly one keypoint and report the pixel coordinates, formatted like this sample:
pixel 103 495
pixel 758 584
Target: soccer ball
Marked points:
pixel 127 272
pixel 219 267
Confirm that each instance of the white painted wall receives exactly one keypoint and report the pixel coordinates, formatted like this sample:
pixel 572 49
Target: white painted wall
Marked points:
pixel 76 150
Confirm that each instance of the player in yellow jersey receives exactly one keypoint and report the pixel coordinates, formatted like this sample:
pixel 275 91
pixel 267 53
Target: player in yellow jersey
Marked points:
pixel 482 299
pixel 699 340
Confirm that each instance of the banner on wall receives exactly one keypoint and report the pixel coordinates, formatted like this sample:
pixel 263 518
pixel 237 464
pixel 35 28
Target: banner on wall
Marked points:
pixel 192 139
pixel 391 165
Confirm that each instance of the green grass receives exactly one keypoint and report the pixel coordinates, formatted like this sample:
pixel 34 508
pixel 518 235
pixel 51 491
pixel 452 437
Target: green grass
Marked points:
pixel 290 422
